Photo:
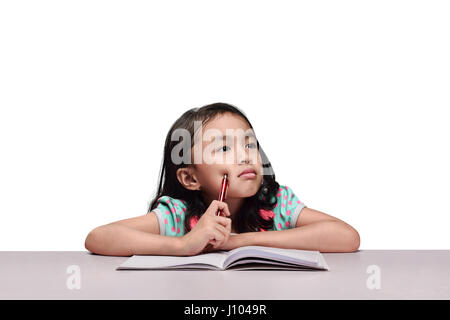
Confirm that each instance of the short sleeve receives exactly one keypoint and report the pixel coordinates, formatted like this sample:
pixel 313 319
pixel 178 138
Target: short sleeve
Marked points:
pixel 170 213
pixel 287 209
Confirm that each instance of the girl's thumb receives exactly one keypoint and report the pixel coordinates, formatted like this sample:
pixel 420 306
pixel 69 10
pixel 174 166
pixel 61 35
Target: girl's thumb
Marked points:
pixel 222 209
pixel 216 207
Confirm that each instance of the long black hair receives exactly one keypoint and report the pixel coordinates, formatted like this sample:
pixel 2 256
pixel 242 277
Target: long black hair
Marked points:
pixel 248 218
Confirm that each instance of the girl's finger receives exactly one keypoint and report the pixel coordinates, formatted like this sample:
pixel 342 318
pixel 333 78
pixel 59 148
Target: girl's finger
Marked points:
pixel 229 225
pixel 217 205
pixel 214 244
pixel 218 237
pixel 223 221
pixel 224 207
pixel 223 230
pixel 218 234
pixel 225 234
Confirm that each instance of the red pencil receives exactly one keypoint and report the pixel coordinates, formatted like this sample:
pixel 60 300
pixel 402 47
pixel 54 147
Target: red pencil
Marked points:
pixel 223 191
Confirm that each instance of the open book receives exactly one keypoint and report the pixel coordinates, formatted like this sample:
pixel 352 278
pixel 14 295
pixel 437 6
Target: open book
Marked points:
pixel 243 258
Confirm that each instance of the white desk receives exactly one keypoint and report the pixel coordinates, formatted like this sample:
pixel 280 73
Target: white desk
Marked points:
pixel 404 274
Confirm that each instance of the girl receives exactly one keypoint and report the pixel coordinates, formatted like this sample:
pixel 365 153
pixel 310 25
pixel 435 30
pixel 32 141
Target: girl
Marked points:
pixel 181 218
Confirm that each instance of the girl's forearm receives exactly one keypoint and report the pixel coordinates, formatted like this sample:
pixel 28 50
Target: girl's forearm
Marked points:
pixel 324 236
pixel 118 240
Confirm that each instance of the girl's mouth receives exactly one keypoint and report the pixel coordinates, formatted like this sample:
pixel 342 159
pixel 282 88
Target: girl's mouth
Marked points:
pixel 249 175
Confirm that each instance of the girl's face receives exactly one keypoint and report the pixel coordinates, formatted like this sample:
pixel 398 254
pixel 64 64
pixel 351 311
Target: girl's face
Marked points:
pixel 228 145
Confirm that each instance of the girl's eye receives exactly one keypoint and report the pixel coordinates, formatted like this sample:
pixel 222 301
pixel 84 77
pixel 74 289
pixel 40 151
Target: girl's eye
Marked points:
pixel 221 148
pixel 250 144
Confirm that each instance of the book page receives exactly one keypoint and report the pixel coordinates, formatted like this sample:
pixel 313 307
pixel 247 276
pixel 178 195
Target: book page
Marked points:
pixel 201 261
pixel 259 266
pixel 293 256
pixel 262 261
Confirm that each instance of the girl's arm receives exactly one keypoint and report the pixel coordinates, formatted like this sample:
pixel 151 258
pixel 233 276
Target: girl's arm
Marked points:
pixel 139 235
pixel 314 230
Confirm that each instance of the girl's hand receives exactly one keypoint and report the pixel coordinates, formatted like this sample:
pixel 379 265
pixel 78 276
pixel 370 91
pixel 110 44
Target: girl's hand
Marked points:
pixel 210 229
pixel 232 243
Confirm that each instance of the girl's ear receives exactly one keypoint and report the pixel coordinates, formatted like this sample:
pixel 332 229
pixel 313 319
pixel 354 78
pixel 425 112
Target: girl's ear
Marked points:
pixel 188 179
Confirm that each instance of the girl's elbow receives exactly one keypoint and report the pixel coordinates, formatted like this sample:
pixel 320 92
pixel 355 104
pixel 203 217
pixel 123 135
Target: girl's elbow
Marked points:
pixel 354 240
pixel 93 240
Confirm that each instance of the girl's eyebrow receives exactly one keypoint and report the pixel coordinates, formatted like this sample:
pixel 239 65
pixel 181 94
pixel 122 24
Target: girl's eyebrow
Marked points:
pixel 251 134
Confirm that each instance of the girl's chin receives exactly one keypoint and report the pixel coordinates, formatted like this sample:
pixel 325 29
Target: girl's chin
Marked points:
pixel 243 194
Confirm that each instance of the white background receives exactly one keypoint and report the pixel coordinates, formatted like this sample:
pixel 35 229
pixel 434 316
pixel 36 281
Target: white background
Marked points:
pixel 349 99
